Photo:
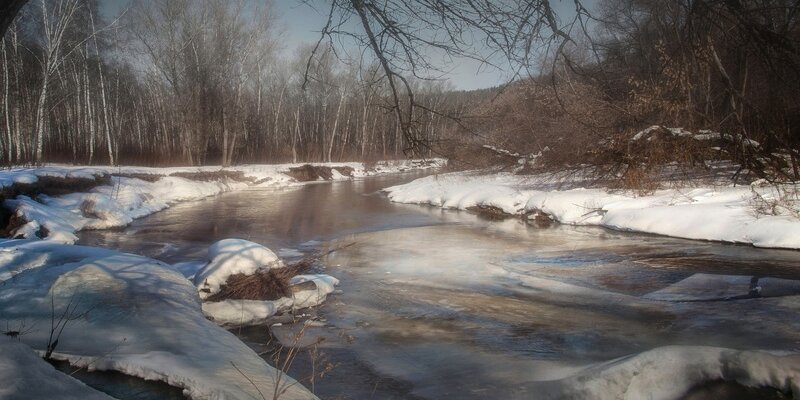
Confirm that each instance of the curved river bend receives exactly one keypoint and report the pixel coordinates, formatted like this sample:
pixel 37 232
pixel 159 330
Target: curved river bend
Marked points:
pixel 446 304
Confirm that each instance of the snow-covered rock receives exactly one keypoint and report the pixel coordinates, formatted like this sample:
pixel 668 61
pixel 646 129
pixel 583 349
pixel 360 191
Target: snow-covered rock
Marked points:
pixel 131 314
pixel 24 375
pixel 230 257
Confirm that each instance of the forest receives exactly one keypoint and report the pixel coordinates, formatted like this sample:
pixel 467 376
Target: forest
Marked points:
pixel 400 199
pixel 190 83
pixel 198 82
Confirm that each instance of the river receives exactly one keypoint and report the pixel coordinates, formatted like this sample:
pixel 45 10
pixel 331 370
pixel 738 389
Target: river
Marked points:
pixel 447 304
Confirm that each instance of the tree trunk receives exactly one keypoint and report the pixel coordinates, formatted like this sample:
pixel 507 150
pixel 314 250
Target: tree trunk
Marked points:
pixel 335 126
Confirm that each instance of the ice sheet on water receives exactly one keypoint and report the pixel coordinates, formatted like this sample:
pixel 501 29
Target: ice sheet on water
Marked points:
pixel 667 373
pixel 708 287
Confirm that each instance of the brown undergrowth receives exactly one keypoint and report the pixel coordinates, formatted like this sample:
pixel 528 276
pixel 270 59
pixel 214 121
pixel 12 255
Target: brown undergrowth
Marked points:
pixel 308 172
pixel 270 284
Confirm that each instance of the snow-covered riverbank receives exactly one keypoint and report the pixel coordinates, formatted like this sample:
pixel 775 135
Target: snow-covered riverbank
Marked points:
pixel 123 312
pixel 132 314
pixel 750 214
pixel 134 192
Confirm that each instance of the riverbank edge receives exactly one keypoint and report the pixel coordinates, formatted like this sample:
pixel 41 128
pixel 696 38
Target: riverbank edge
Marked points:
pixel 759 215
pixel 54 201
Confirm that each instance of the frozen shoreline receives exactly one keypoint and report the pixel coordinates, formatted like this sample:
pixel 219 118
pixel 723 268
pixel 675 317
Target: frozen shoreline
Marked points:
pixel 706 212
pixel 134 192
pixel 134 314
pixel 126 313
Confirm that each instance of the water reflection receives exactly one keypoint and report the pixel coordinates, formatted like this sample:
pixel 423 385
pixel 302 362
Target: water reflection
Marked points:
pixel 443 304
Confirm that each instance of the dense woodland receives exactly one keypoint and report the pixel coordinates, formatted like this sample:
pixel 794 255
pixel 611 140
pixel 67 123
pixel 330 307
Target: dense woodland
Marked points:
pixel 188 82
pixel 203 82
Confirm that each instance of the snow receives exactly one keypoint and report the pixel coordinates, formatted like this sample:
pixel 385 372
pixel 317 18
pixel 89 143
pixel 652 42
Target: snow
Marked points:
pixel 131 314
pixel 245 312
pixel 230 257
pixel 702 135
pixel 325 285
pixel 252 312
pixel 670 372
pixel 238 256
pixel 719 213
pixel 25 375
pixel 125 199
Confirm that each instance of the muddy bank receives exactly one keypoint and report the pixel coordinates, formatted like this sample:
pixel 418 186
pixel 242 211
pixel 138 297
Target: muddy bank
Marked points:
pixel 308 172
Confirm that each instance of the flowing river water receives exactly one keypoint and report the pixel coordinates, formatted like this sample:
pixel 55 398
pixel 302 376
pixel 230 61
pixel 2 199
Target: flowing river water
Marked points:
pixel 447 304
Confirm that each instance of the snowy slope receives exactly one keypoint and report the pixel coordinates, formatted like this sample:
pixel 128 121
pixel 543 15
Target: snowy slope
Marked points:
pixel 130 314
pixel 722 213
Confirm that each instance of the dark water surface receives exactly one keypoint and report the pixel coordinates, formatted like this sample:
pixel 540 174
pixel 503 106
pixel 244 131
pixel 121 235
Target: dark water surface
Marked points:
pixel 443 304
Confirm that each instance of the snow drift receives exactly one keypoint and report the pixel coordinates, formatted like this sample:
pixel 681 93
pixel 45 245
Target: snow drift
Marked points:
pixel 720 213
pixel 131 314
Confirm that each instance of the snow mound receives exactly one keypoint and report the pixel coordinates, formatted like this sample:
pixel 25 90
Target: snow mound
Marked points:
pixel 325 285
pixel 131 314
pixel 230 257
pixel 26 376
pixel 244 312
pixel 251 312
pixel 667 373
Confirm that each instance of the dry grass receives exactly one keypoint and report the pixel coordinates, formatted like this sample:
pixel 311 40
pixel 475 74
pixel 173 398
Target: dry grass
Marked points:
pixel 271 284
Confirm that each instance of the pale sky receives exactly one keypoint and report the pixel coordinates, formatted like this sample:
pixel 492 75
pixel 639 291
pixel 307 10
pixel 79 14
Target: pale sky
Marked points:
pixel 299 23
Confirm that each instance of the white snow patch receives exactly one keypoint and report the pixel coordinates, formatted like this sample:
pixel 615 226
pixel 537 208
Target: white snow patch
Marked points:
pixel 132 314
pixel 24 375
pixel 721 213
pixel 245 312
pixel 325 285
pixel 230 257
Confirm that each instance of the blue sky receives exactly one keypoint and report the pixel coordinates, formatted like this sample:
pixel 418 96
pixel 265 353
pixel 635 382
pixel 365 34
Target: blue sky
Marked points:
pixel 299 23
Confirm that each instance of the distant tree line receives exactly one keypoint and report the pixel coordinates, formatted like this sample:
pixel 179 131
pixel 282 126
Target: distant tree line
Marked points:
pixel 191 82
pixel 199 81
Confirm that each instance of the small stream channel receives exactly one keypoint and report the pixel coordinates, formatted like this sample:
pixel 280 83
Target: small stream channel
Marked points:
pixel 442 304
